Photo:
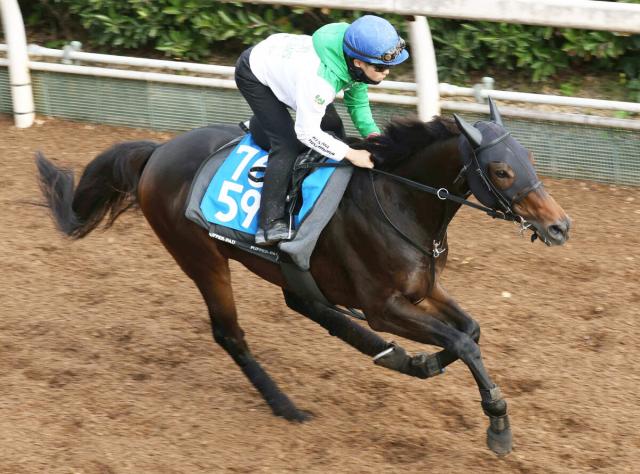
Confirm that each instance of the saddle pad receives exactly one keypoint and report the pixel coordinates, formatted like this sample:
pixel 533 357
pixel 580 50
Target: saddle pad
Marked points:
pixel 225 201
pixel 233 199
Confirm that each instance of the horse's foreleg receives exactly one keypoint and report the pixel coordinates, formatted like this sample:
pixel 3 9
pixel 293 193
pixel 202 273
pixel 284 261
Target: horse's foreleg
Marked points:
pixel 385 354
pixel 451 313
pixel 399 316
pixel 338 325
pixel 424 365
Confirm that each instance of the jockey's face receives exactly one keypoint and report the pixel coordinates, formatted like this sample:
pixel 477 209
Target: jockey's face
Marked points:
pixel 373 71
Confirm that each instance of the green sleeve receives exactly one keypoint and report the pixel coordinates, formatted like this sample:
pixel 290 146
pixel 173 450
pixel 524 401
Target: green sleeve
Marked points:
pixel 357 102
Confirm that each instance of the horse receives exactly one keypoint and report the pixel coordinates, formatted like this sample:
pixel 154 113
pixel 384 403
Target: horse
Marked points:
pixel 382 252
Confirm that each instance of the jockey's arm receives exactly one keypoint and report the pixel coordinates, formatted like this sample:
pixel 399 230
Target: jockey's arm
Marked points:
pixel 356 99
pixel 309 113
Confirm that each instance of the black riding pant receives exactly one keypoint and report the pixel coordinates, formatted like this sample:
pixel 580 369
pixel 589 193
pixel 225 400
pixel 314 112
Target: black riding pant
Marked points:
pixel 273 129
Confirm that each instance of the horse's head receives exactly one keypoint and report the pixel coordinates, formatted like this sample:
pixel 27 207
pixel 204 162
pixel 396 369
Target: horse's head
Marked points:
pixel 501 176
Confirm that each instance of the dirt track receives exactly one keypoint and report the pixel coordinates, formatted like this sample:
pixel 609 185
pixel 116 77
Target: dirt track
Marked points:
pixel 107 364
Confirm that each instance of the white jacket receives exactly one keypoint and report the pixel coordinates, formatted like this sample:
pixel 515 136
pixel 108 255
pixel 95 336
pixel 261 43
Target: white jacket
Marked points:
pixel 289 66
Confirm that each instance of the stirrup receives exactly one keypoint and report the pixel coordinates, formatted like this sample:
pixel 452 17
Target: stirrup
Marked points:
pixel 259 238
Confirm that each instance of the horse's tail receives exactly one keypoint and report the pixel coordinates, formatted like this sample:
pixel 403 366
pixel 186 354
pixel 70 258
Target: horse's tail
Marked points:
pixel 108 184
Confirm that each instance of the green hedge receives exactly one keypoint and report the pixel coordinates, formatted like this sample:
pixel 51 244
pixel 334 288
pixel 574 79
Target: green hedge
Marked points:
pixel 196 29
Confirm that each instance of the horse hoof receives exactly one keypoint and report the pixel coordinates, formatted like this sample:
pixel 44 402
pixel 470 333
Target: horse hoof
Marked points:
pixel 500 443
pixel 294 415
pixel 301 417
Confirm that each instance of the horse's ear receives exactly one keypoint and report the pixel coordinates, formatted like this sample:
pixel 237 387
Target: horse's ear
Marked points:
pixel 472 133
pixel 494 114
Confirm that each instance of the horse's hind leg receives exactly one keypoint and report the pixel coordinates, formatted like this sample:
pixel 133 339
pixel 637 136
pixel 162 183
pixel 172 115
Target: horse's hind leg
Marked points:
pixel 210 271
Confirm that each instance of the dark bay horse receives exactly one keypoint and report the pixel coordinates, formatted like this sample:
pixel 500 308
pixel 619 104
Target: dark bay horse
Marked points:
pixel 382 252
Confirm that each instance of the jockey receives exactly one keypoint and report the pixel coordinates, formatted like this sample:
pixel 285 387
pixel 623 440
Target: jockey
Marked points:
pixel 304 73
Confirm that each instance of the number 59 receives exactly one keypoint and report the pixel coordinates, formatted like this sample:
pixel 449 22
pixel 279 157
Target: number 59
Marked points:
pixel 249 203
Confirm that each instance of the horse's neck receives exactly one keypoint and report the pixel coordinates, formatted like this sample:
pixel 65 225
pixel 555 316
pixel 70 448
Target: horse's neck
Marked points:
pixel 437 166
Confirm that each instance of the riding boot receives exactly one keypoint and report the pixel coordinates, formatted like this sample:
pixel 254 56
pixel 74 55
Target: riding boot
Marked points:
pixel 273 224
pixel 277 231
pixel 271 231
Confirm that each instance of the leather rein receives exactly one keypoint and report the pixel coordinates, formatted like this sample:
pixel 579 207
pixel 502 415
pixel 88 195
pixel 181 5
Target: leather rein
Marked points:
pixel 444 195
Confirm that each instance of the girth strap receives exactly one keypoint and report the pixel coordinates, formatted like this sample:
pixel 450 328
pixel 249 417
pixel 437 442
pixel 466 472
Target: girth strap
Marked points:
pixel 302 283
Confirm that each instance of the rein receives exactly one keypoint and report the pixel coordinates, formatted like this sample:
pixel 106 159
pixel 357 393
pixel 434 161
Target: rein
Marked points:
pixel 442 193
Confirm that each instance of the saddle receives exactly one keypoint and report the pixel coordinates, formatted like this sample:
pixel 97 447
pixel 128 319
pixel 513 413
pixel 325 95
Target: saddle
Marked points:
pixel 305 164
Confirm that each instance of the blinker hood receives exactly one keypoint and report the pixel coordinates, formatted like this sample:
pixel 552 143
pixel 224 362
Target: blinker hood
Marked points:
pixel 487 142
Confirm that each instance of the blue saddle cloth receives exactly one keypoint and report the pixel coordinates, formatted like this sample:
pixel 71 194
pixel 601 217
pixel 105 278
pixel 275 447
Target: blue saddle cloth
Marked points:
pixel 224 201
pixel 232 199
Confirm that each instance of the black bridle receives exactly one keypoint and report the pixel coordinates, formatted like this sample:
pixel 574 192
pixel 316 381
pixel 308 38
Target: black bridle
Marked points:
pixel 506 213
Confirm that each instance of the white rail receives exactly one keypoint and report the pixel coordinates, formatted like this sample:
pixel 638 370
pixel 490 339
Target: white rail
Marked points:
pixel 545 99
pixel 21 93
pixel 176 79
pixel 227 71
pixel 579 119
pixel 178 66
pixel 445 90
pixel 585 14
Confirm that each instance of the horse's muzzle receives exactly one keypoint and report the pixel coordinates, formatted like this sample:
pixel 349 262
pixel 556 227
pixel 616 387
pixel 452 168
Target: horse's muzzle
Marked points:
pixel 558 232
pixel 548 219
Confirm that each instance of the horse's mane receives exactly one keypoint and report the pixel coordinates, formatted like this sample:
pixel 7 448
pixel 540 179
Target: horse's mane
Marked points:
pixel 404 136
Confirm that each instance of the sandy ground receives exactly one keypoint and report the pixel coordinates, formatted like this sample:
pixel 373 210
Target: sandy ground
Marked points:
pixel 107 364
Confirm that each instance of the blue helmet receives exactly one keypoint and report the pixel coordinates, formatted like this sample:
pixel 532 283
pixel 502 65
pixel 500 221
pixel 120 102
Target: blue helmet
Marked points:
pixel 374 40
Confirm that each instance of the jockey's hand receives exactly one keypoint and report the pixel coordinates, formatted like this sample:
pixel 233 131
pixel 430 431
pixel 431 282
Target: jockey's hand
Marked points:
pixel 360 158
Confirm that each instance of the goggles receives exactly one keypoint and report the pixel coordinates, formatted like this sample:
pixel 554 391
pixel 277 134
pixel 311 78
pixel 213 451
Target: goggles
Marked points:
pixel 385 57
pixel 379 67
pixel 395 52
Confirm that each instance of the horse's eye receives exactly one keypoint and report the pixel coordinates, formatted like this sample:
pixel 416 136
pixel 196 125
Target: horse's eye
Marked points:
pixel 502 174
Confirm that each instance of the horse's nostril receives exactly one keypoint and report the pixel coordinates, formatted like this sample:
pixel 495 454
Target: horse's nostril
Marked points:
pixel 558 230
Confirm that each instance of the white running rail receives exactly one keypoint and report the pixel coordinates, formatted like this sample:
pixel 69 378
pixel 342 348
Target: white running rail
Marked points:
pixel 378 94
pixel 20 79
